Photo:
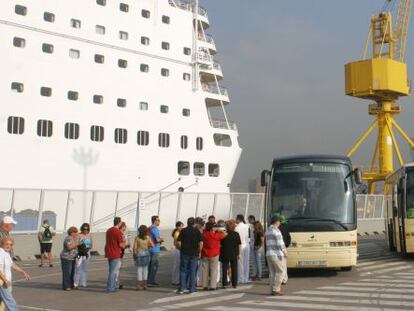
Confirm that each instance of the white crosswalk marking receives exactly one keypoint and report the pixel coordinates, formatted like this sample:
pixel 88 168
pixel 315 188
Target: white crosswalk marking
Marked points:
pixel 378 265
pixel 372 289
pixel 380 271
pixel 377 284
pixel 375 262
pixel 386 279
pixel 367 295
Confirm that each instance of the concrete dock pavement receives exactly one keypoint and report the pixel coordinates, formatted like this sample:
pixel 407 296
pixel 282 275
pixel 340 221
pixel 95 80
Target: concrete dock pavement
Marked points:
pixel 381 281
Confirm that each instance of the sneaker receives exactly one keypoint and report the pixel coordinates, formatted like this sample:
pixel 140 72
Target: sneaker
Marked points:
pixel 121 286
pixel 277 294
pixel 180 292
pixel 51 266
pixel 153 284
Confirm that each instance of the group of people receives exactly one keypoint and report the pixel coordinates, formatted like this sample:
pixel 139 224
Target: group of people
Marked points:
pixel 202 250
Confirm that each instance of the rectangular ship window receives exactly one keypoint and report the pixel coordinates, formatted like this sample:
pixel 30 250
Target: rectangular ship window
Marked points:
pixel 97 133
pixel 73 95
pixel 222 140
pixel 165 45
pixel 123 35
pixel 164 140
pixel 186 112
pixel 183 168
pixel 145 14
pixel 98 99
pixel 20 10
pixel 165 72
pixel 213 170
pixel 199 143
pixel 184 142
pixel 17 87
pixel 99 59
pixel 49 17
pixel 165 19
pixel 164 109
pixel 15 125
pixel 75 23
pixel 74 53
pixel 122 63
pixel 143 138
pixel 186 77
pixel 187 51
pixel 101 2
pixel 46 91
pixel 199 169
pixel 145 41
pixel 143 106
pixel 44 128
pixel 47 48
pixel 100 30
pixel 121 136
pixel 19 42
pixel 144 68
pixel 123 7
pixel 121 102
pixel 71 130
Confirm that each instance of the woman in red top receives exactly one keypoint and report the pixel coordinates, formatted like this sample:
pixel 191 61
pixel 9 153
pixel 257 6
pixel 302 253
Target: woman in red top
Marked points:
pixel 210 255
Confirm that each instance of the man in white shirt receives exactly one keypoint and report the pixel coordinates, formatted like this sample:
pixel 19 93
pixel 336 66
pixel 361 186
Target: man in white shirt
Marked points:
pixel 244 231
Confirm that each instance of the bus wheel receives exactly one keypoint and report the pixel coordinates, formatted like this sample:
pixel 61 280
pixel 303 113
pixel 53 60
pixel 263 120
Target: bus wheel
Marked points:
pixel 346 268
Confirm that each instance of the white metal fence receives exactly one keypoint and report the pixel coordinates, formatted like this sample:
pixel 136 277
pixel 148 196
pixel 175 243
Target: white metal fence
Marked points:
pixel 65 208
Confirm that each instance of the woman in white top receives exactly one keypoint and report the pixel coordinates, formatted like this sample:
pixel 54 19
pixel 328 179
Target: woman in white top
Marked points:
pixel 6 267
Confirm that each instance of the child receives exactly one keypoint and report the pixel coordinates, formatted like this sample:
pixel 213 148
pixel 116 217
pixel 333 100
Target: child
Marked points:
pixel 142 244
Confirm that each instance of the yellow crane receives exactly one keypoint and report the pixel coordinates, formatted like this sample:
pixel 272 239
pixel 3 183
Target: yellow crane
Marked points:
pixel 381 76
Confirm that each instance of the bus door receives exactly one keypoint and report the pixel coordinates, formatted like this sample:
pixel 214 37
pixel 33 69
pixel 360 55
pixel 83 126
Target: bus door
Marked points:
pixel 400 216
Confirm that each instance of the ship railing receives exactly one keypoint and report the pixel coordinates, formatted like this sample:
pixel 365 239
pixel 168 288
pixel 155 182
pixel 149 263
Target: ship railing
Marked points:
pixel 222 124
pixel 188 6
pixel 205 58
pixel 65 208
pixel 217 66
pixel 206 38
pixel 212 88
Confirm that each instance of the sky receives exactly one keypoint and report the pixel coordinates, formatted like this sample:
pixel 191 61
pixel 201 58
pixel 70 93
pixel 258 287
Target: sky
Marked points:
pixel 283 63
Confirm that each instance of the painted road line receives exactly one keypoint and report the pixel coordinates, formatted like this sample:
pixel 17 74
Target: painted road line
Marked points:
pixel 386 280
pixel 378 266
pixel 387 270
pixel 199 294
pixel 366 295
pixel 300 306
pixel 226 308
pixel 369 263
pixel 196 302
pixel 373 289
pixel 36 308
pixel 347 301
pixel 376 284
pixel 405 273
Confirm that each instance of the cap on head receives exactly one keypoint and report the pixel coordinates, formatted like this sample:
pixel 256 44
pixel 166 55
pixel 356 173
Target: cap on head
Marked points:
pixel 9 220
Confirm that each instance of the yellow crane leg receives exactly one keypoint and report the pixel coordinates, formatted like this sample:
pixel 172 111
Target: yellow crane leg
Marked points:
pixel 397 148
pixel 386 163
pixel 403 134
pixel 362 139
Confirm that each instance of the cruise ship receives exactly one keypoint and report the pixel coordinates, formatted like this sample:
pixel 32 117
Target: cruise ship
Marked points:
pixel 120 95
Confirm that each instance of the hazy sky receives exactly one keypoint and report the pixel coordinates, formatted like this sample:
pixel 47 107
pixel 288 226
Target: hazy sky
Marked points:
pixel 283 64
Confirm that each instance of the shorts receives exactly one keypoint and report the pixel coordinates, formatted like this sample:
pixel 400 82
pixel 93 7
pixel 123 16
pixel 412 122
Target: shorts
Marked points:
pixel 45 248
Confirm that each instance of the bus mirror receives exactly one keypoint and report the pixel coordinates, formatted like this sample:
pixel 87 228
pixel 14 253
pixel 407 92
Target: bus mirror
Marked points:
pixel 358 176
pixel 265 173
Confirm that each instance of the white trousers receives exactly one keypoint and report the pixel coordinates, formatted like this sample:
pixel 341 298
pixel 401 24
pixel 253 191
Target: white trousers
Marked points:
pixel 142 273
pixel 176 268
pixel 81 272
pixel 244 264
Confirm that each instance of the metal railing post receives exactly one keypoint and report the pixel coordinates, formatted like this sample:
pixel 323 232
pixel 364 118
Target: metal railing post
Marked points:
pixel 365 206
pixel 214 204
pixel 231 206
pixel 261 215
pixel 65 226
pixel 92 213
pixel 40 210
pixel 116 203
pixel 197 203
pixel 177 216
pixel 12 203
pixel 246 210
pixel 159 204
pixel 138 211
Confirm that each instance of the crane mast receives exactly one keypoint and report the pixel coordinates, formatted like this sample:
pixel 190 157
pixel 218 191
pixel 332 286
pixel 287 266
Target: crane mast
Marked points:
pixel 382 78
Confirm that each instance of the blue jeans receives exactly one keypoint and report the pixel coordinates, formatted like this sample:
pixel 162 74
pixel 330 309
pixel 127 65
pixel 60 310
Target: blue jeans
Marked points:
pixel 188 272
pixel 7 299
pixel 68 272
pixel 258 258
pixel 113 275
pixel 153 267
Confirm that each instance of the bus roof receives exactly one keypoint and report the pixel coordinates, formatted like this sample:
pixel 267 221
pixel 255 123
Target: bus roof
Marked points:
pixel 313 158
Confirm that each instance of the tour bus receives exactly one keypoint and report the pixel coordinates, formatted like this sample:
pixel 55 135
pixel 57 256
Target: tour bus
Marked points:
pixel 315 195
pixel 399 193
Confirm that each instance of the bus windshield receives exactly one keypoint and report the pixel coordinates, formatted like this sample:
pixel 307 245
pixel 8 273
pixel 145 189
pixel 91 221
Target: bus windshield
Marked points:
pixel 313 192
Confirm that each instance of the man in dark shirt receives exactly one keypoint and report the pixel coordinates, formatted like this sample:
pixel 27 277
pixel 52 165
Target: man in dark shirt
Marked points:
pixel 190 243
pixel 230 254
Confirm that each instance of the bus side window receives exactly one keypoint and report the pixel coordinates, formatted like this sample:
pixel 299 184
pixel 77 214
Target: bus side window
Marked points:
pixel 394 200
pixel 400 192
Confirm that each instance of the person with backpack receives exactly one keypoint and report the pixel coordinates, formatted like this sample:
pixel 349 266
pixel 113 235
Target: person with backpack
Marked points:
pixel 84 255
pixel 45 236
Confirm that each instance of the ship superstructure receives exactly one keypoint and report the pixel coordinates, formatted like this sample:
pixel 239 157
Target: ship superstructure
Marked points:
pixel 112 95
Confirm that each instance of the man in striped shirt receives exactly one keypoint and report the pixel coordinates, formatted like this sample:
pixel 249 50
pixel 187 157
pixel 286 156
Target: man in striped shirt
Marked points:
pixel 276 255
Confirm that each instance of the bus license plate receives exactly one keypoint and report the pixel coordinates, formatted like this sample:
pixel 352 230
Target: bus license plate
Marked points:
pixel 312 263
